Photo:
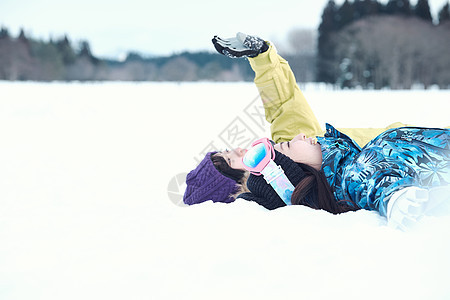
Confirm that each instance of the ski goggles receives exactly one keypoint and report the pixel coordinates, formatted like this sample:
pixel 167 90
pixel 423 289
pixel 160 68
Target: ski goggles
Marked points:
pixel 258 156
pixel 259 159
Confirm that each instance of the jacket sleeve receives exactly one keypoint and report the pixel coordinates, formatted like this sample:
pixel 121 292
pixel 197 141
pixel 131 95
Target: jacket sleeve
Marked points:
pixel 285 106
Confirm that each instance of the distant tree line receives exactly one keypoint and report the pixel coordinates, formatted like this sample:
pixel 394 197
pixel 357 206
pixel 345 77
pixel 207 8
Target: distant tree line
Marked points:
pixel 364 43
pixel 24 58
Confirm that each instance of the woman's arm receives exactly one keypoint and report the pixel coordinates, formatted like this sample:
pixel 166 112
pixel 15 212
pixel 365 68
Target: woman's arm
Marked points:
pixel 285 107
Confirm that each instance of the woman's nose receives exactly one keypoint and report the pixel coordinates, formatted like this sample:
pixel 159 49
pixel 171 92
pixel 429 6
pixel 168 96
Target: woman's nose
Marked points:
pixel 300 137
pixel 240 151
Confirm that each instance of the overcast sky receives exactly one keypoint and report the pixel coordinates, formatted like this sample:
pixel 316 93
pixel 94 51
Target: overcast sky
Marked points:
pixel 161 27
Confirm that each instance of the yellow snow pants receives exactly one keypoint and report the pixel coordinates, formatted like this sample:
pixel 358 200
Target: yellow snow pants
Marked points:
pixel 285 106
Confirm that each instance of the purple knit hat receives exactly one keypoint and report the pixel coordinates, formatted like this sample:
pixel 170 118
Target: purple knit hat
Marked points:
pixel 205 182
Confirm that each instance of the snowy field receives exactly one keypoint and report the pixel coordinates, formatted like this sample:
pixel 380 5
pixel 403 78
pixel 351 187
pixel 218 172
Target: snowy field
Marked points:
pixel 90 174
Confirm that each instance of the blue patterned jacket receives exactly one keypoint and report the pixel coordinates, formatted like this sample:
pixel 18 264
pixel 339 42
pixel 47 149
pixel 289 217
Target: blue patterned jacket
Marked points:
pixel 397 158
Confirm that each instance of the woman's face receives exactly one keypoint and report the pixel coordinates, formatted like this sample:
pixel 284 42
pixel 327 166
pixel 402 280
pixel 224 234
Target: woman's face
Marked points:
pixel 302 150
pixel 234 158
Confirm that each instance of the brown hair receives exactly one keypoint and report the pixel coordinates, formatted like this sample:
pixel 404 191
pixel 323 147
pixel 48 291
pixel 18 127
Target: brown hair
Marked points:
pixel 240 176
pixel 325 199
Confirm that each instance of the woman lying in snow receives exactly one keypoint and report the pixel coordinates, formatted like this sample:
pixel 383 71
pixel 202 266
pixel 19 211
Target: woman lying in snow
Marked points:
pixel 401 172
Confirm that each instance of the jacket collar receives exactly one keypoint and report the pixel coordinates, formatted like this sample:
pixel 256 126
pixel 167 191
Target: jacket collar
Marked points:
pixel 332 132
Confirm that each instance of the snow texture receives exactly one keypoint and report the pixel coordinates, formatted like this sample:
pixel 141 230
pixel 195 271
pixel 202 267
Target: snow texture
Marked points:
pixel 89 174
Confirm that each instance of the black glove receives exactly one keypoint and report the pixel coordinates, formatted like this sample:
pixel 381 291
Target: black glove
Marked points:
pixel 240 46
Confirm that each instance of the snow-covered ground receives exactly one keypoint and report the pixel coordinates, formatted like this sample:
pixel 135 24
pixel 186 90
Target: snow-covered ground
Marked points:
pixel 90 174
